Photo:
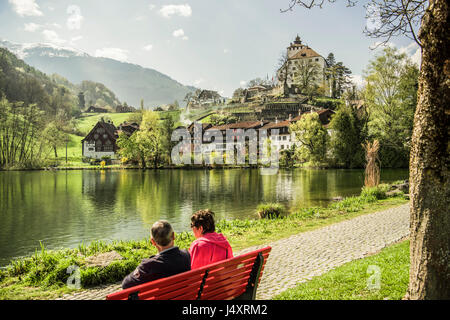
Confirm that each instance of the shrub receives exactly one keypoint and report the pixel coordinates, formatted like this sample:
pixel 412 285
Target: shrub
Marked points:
pixel 378 192
pixel 271 210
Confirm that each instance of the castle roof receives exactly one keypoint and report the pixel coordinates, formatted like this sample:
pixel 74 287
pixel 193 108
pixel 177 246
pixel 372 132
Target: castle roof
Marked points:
pixel 305 52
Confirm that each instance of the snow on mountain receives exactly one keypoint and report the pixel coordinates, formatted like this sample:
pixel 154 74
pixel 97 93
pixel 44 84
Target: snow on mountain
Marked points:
pixel 41 49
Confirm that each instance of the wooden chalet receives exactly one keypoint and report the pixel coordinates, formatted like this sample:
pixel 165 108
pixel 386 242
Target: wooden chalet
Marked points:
pixel 94 109
pixel 100 141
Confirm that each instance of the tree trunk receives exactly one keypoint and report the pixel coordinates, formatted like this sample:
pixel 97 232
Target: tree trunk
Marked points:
pixel 429 163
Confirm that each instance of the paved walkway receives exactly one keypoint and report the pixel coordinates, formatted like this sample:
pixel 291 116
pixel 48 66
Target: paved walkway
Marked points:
pixel 300 257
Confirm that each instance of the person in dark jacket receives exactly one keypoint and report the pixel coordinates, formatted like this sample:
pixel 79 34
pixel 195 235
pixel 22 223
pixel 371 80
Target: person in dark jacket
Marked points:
pixel 169 261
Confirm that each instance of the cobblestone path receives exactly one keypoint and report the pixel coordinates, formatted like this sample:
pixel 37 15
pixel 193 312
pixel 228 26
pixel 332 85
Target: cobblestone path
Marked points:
pixel 305 255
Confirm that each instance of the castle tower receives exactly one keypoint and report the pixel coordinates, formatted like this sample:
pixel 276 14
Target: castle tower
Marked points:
pixel 295 47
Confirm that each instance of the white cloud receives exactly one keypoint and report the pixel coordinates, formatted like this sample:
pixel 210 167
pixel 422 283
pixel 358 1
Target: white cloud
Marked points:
pixel 31 27
pixel 178 33
pixel 185 38
pixel 151 6
pixel 225 51
pixel 75 17
pixel 26 7
pixel 52 37
pixel 113 53
pixel 417 57
pixel 413 52
pixel 358 80
pixel 182 10
pixel 77 38
pixel 242 83
pixel 148 47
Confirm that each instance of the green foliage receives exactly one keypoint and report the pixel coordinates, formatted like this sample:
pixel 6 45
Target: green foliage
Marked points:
pixel 348 135
pixel 21 140
pixel 326 103
pixel 147 144
pixel 313 138
pixel 287 157
pixel 271 210
pixel 391 97
pixel 307 77
pixel 378 192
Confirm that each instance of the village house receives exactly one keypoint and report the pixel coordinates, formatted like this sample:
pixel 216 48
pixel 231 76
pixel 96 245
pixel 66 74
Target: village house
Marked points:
pixel 286 139
pixel 125 109
pixel 101 141
pixel 95 109
pixel 205 98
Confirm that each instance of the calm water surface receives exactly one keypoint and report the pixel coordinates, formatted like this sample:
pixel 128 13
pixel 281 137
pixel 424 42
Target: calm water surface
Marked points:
pixel 64 208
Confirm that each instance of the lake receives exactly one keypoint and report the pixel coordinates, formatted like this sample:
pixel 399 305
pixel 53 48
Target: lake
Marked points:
pixel 64 208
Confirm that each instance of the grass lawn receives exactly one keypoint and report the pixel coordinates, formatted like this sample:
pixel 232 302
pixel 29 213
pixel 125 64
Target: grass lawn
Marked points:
pixel 356 280
pixel 88 121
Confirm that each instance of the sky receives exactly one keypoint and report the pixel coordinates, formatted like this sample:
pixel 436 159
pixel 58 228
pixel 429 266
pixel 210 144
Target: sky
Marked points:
pixel 212 44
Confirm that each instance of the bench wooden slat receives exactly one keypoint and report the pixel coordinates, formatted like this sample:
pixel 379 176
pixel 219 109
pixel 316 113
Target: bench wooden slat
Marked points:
pixel 226 279
pixel 228 295
pixel 168 295
pixel 226 285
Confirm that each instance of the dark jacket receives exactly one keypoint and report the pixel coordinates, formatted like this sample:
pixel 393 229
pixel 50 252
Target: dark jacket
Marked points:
pixel 165 264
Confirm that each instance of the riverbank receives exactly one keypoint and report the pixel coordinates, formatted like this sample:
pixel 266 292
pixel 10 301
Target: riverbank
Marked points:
pixel 44 275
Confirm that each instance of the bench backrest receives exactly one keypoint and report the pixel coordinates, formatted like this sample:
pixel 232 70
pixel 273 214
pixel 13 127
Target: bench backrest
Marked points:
pixel 235 278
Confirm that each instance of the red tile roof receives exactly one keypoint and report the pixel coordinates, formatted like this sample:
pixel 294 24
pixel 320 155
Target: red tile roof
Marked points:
pixel 306 52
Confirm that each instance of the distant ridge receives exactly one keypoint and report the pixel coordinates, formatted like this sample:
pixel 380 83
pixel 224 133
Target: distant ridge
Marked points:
pixel 130 82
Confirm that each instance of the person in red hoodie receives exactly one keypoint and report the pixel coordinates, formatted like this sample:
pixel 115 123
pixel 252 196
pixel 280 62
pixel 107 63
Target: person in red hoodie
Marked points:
pixel 209 246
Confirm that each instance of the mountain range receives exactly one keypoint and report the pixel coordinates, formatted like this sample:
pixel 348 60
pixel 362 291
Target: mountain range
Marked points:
pixel 129 82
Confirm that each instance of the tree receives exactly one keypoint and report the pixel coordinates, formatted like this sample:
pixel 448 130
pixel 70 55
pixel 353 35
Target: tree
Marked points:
pixel 430 159
pixel 283 71
pixel 81 100
pixel 307 77
pixel 391 99
pixel 55 137
pixel 149 138
pixel 312 136
pixel 257 82
pixel 167 129
pixel 348 134
pixel 338 75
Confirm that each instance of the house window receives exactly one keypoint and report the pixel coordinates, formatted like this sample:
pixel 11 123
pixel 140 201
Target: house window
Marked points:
pixel 98 145
pixel 108 146
pixel 317 59
pixel 284 138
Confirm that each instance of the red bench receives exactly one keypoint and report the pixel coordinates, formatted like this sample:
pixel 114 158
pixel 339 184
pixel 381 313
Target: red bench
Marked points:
pixel 235 278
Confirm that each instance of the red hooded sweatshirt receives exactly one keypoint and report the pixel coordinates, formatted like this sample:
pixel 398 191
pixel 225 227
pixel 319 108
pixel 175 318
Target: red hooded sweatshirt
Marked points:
pixel 212 247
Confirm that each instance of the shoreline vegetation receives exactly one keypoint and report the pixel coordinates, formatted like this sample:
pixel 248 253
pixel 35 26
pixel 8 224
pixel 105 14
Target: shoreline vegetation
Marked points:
pixel 44 275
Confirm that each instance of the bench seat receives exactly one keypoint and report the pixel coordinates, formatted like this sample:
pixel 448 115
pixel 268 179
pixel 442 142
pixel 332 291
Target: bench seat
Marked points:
pixel 234 278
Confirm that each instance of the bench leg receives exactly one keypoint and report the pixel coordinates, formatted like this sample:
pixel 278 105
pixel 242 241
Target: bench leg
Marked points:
pixel 252 285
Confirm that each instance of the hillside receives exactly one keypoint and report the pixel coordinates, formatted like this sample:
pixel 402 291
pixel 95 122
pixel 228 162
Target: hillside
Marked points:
pixel 130 82
pixel 21 82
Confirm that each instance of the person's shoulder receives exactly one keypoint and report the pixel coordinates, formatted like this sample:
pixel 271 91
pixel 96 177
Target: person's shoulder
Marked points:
pixel 149 260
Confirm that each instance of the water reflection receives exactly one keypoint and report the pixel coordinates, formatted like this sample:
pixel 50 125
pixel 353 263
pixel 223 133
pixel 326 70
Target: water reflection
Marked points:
pixel 64 208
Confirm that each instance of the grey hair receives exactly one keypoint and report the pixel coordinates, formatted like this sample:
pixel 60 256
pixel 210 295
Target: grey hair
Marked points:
pixel 162 232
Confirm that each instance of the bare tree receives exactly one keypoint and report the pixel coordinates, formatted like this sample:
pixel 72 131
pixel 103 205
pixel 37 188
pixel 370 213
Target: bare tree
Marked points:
pixel 430 156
